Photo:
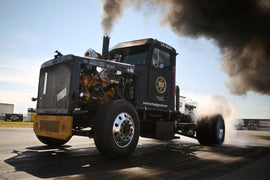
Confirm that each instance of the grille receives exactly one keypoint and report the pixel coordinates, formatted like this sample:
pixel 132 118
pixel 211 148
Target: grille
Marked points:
pixel 54 89
pixel 49 126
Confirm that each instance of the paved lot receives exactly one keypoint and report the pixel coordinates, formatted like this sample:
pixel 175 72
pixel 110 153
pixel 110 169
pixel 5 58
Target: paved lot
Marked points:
pixel 247 156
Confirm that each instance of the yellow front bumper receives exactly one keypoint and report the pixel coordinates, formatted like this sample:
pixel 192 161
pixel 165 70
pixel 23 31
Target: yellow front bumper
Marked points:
pixel 59 127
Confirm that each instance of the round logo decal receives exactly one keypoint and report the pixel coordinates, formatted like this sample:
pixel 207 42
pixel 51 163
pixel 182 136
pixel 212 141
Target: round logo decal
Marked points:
pixel 161 84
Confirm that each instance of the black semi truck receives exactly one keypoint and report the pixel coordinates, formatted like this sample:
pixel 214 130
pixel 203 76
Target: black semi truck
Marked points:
pixel 116 97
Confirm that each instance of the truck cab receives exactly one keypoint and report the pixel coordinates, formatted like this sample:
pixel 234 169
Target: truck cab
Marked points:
pixel 155 68
pixel 154 84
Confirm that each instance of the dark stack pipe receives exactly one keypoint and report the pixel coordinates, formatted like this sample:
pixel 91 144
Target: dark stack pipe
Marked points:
pixel 177 92
pixel 105 48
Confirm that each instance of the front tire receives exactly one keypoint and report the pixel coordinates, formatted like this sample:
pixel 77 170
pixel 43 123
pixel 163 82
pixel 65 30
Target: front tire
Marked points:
pixel 52 141
pixel 116 129
pixel 211 130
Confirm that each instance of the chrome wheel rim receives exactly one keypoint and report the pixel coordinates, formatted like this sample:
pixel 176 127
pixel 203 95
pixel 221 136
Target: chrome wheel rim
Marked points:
pixel 220 130
pixel 123 130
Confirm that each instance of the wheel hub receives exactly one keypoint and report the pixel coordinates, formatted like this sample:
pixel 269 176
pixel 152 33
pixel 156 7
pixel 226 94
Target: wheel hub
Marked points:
pixel 123 130
pixel 220 130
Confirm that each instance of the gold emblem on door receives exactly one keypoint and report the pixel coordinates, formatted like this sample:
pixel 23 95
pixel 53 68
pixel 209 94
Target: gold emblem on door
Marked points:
pixel 161 84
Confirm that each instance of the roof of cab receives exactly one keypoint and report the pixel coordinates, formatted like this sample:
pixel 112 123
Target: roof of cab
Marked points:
pixel 142 42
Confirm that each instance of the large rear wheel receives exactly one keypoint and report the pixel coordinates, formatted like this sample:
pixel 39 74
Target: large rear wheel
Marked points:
pixel 211 130
pixel 116 129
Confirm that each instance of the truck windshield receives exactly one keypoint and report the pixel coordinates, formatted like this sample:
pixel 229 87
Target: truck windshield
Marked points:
pixel 130 55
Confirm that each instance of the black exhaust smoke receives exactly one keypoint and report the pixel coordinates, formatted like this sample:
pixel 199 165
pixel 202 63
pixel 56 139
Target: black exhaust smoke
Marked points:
pixel 105 47
pixel 239 27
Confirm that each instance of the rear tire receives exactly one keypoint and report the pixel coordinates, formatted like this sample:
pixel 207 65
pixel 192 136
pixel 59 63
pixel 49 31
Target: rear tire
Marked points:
pixel 211 130
pixel 116 129
pixel 52 141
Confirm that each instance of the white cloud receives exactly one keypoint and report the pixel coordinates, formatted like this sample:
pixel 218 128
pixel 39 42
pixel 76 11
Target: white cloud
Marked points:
pixel 21 100
pixel 265 112
pixel 27 35
pixel 22 74
pixel 21 71
pixel 266 108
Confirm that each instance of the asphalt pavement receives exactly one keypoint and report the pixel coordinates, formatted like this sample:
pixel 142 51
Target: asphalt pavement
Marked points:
pixel 245 156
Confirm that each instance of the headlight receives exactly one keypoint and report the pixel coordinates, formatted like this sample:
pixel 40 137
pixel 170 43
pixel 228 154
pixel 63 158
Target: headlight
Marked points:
pixel 130 70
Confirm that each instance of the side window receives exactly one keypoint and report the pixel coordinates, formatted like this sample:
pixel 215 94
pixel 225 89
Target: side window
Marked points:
pixel 160 58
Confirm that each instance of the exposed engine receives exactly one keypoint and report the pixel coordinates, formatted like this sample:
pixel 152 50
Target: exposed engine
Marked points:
pixel 98 86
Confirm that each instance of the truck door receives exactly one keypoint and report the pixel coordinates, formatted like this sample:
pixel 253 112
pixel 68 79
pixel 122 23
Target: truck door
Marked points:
pixel 161 79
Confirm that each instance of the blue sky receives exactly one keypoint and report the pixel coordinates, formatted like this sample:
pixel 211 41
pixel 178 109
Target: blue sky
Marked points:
pixel 31 30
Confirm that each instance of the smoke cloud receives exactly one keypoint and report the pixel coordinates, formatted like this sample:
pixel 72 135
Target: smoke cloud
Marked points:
pixel 112 11
pixel 240 29
pixel 211 105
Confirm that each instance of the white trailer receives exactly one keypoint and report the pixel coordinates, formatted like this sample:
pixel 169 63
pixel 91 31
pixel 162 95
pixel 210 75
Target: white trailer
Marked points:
pixel 6 108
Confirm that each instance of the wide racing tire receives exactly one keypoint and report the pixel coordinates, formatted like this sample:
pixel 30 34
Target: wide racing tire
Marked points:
pixel 211 130
pixel 116 129
pixel 52 141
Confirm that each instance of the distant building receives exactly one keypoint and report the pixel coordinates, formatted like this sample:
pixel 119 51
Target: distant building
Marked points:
pixel 253 124
pixel 6 108
pixel 257 122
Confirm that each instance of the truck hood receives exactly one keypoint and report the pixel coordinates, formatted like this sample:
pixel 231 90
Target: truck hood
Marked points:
pixel 118 66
